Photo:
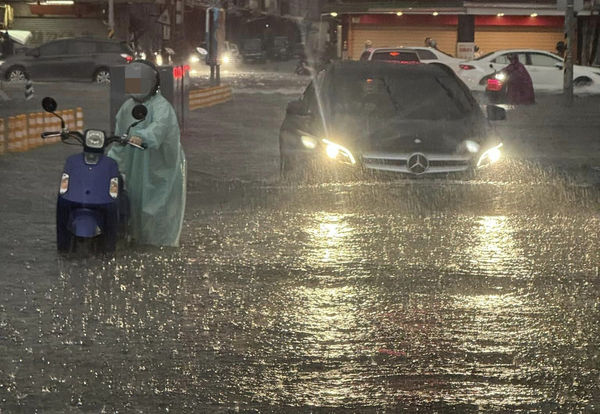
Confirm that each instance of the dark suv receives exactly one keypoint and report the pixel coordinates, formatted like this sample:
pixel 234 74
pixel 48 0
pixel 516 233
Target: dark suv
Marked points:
pixel 67 59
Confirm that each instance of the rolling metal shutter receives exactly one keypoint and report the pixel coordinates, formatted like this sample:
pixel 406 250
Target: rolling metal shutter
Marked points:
pixel 490 39
pixel 44 29
pixel 382 36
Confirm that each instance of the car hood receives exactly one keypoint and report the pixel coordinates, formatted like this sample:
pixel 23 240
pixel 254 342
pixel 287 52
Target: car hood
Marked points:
pixel 401 136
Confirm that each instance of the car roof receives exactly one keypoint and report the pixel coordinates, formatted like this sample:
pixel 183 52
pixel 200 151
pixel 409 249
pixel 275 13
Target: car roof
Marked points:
pixel 391 49
pixel 385 68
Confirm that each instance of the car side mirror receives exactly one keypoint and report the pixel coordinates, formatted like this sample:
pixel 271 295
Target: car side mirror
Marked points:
pixel 297 108
pixel 491 66
pixel 495 113
pixel 559 66
pixel 202 51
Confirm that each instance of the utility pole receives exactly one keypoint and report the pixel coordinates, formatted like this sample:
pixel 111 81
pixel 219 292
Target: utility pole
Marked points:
pixel 568 69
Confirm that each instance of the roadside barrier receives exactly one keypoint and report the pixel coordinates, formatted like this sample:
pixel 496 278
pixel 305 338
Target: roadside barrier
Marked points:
pixel 203 98
pixel 22 132
pixel 2 137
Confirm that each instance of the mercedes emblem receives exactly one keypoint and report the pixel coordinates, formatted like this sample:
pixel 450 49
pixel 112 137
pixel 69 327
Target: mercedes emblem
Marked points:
pixel 417 163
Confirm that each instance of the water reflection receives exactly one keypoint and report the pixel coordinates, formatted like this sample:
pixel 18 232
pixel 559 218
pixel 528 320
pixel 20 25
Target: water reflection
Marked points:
pixel 493 250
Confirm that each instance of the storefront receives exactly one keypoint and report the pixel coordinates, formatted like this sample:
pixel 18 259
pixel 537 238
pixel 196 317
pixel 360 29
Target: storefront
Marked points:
pixel 491 26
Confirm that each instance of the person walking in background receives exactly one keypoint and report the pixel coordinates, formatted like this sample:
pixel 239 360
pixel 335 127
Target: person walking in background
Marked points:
pixel 476 52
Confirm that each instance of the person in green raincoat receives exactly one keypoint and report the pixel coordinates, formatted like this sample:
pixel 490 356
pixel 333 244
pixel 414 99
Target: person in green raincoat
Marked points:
pixel 155 177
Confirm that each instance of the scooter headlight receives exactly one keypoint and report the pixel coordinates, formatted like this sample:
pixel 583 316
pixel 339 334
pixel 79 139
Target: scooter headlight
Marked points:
pixel 64 183
pixel 114 187
pixel 226 58
pixel 94 139
pixel 194 59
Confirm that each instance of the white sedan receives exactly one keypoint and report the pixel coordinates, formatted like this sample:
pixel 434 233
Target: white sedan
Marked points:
pixel 545 69
pixel 435 56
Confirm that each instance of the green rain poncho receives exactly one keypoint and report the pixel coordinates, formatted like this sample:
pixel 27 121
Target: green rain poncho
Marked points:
pixel 155 177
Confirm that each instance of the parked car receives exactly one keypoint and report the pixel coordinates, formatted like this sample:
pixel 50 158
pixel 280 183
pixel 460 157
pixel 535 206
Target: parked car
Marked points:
pixel 252 51
pixel 436 57
pixel 279 49
pixel 545 69
pixel 380 116
pixel 82 58
pixel 391 54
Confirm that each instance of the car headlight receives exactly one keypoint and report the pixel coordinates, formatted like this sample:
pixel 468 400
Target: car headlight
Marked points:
pixel 338 152
pixel 64 183
pixel 194 59
pixel 501 76
pixel 226 59
pixel 471 146
pixel 490 156
pixel 309 142
pixel 94 139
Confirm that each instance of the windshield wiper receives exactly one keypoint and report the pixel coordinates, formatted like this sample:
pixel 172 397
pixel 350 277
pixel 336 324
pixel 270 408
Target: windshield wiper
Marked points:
pixel 451 95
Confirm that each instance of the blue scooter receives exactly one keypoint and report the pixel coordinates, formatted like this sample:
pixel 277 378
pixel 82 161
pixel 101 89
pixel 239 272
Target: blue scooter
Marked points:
pixel 92 202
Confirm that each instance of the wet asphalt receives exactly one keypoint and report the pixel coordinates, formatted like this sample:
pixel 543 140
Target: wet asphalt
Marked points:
pixel 374 295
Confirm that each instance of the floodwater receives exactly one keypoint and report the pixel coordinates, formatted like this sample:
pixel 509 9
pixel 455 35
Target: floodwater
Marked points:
pixel 376 295
pixel 366 296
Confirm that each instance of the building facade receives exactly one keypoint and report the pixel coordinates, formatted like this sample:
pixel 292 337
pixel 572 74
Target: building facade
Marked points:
pixel 489 25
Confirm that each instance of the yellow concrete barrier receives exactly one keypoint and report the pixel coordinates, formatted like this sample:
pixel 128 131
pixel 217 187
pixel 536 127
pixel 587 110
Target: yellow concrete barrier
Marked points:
pixel 202 98
pixel 2 137
pixel 17 134
pixel 23 132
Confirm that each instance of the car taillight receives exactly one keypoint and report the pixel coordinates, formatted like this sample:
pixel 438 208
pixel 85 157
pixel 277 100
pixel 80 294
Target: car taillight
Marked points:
pixel 466 67
pixel 127 57
pixel 494 85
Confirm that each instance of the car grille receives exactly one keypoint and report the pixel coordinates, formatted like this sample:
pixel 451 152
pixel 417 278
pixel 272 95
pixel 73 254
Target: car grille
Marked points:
pixel 420 163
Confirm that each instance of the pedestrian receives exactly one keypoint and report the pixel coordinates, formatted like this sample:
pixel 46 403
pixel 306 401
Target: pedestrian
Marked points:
pixel 561 48
pixel 156 177
pixel 476 52
pixel 519 85
pixel 368 45
pixel 428 41
pixel 433 44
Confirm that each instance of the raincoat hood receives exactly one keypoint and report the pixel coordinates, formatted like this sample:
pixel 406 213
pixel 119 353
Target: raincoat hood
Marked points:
pixel 141 80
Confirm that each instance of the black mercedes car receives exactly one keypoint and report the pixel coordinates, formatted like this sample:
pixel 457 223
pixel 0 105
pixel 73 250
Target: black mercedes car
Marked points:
pixel 370 116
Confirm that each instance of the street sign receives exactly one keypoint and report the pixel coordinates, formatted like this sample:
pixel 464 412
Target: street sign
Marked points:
pixel 164 18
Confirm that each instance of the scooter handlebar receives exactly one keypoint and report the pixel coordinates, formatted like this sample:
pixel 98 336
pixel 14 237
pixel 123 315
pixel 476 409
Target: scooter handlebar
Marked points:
pixel 50 134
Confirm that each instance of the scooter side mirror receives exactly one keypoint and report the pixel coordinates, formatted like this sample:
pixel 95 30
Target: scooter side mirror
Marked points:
pixel 49 104
pixel 139 112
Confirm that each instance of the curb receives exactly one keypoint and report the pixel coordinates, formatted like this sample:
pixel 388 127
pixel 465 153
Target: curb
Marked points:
pixel 203 98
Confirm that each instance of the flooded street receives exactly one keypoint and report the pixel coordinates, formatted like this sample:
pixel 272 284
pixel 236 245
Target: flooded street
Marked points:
pixel 364 296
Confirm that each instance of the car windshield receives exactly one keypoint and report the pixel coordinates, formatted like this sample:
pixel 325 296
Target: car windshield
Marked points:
pixel 407 97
